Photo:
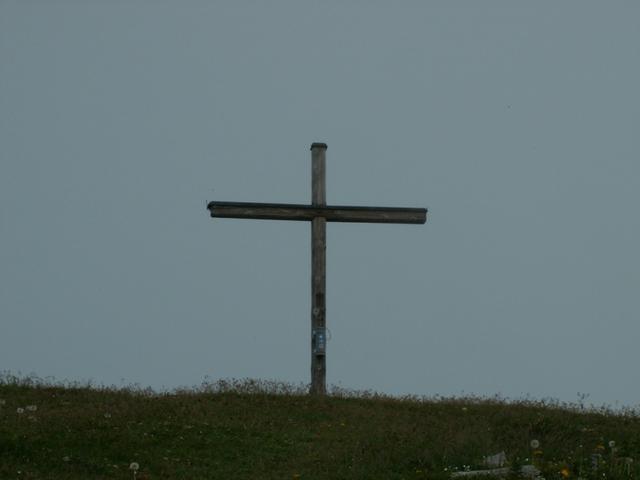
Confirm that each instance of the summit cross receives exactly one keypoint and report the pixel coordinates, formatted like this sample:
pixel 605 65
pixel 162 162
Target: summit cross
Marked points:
pixel 318 213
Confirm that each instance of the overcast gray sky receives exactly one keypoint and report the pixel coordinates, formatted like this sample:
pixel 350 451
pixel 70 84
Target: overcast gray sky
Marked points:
pixel 515 123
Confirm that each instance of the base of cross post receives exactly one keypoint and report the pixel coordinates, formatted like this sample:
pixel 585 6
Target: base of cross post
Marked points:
pixel 318 375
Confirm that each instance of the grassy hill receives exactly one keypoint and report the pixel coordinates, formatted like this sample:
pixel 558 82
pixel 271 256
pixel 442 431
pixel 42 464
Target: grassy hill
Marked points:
pixel 262 430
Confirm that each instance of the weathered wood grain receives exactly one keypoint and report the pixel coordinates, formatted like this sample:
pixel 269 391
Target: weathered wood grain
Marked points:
pixel 331 213
pixel 318 272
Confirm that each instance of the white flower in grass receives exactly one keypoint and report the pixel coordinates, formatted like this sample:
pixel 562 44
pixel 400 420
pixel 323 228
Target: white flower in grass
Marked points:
pixel 535 444
pixel 612 444
pixel 134 466
pixel 20 410
pixel 31 408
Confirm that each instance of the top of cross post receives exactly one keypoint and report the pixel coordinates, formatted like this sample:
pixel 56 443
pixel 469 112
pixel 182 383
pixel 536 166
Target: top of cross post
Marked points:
pixel 318 145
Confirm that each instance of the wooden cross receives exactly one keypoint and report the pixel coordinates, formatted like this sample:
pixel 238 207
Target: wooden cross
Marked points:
pixel 318 213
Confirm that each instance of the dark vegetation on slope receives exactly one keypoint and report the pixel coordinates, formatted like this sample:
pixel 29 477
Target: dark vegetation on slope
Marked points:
pixel 260 430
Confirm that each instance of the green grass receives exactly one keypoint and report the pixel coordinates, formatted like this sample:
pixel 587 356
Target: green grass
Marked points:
pixel 263 430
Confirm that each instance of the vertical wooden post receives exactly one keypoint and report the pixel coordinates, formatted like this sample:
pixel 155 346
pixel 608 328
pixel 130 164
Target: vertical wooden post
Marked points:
pixel 318 272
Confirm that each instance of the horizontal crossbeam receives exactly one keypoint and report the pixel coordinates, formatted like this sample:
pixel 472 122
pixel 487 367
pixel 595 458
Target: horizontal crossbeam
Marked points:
pixel 332 213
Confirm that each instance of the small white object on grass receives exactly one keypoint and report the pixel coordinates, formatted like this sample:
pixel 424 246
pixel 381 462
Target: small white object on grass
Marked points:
pixel 497 460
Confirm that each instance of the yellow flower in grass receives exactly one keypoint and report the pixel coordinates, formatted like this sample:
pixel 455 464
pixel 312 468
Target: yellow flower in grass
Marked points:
pixel 565 472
